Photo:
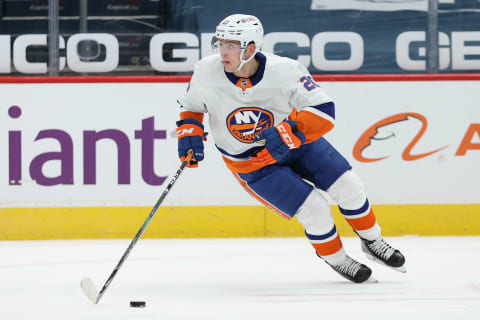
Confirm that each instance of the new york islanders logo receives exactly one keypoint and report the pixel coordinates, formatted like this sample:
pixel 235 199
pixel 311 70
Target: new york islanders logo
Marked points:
pixel 245 123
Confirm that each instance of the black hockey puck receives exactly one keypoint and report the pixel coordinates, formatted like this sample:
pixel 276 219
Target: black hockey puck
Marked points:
pixel 137 304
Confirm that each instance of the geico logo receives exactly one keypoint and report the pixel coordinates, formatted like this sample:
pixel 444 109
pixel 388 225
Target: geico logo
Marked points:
pixel 460 50
pixel 73 59
pixel 318 58
pixel 463 49
pixel 318 44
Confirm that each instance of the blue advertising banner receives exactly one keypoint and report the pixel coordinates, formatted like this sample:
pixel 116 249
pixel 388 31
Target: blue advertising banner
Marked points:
pixel 168 37
pixel 352 36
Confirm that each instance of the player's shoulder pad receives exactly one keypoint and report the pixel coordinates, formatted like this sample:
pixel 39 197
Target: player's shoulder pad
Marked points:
pixel 286 68
pixel 279 61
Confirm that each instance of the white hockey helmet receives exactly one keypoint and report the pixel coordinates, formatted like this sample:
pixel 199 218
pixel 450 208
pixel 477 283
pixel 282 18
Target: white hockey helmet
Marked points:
pixel 240 27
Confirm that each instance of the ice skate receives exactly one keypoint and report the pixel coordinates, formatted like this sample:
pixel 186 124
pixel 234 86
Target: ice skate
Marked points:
pixel 353 270
pixel 381 252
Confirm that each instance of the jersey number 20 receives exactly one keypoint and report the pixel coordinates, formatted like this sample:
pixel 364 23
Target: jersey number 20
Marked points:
pixel 308 83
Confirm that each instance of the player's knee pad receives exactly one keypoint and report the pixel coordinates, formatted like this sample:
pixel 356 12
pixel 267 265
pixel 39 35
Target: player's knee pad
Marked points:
pixel 315 215
pixel 348 191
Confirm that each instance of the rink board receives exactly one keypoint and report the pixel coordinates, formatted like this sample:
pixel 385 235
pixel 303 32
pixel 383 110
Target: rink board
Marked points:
pixel 217 222
pixel 87 157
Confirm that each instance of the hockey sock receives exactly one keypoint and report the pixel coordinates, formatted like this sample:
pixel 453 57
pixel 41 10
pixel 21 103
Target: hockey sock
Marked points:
pixel 363 221
pixel 328 246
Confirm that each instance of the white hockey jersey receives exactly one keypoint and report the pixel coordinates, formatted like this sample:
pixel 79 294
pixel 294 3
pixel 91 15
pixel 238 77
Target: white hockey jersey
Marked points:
pixel 240 108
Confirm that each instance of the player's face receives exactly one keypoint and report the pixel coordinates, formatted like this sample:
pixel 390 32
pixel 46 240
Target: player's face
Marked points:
pixel 230 53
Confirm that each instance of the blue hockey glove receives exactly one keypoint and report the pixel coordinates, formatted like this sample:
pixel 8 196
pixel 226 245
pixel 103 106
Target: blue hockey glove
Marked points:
pixel 190 137
pixel 278 141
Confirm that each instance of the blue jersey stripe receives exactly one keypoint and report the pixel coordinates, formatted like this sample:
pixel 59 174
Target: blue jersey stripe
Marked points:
pixel 328 108
pixel 323 236
pixel 355 212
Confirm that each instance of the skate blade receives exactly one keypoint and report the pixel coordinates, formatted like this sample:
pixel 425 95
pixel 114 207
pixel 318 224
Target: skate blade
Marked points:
pixel 401 269
pixel 371 280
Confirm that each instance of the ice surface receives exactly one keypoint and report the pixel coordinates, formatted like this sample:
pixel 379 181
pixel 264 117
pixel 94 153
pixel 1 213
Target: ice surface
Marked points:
pixel 254 278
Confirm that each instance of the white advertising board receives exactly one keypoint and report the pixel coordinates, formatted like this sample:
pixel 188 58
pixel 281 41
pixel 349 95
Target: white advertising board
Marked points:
pixel 113 144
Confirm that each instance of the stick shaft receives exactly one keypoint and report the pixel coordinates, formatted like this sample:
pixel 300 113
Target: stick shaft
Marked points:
pixel 142 229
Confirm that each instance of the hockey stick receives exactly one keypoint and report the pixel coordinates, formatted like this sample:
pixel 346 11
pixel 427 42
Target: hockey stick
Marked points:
pixel 87 285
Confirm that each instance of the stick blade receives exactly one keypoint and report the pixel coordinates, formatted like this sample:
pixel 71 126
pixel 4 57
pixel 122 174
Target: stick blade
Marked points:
pixel 89 290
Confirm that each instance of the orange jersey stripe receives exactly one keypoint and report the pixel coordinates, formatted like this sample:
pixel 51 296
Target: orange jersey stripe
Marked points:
pixel 293 115
pixel 256 196
pixel 311 125
pixel 363 223
pixel 330 247
pixel 192 115
pixel 242 166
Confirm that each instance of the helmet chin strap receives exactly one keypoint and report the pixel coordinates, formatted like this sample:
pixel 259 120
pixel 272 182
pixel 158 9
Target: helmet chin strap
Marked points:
pixel 242 62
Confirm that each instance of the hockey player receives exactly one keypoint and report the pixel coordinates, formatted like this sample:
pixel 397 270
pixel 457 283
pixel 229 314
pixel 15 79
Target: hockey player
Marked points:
pixel 267 118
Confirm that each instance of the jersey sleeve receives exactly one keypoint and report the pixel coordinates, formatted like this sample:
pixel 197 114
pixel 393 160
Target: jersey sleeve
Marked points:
pixel 315 114
pixel 192 100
